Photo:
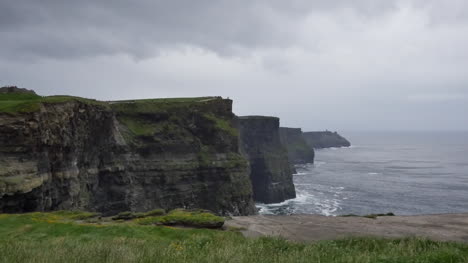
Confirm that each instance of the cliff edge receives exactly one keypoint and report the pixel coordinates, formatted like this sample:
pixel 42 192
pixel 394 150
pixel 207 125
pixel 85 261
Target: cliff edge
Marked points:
pixel 63 152
pixel 270 174
pixel 298 150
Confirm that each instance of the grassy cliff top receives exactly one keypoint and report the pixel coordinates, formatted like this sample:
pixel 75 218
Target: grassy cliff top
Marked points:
pixel 19 102
pixel 158 105
pixel 169 118
pixel 168 100
pixel 23 102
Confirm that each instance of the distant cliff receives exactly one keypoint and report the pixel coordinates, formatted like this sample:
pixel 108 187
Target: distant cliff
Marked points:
pixel 65 152
pixel 298 150
pixel 270 171
pixel 325 139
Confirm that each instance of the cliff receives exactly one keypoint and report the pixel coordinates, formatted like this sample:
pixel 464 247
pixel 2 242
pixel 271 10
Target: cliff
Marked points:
pixel 325 139
pixel 298 150
pixel 65 152
pixel 270 172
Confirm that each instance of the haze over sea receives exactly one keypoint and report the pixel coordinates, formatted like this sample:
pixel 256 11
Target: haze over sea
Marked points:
pixel 407 173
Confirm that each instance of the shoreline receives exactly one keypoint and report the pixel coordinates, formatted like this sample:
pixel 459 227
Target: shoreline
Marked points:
pixel 306 228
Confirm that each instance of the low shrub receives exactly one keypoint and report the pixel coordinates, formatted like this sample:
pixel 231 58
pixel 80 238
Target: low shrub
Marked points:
pixel 156 212
pixel 128 215
pixel 190 218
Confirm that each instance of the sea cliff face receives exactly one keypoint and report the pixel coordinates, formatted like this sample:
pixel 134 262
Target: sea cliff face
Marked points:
pixel 71 153
pixel 298 150
pixel 270 174
pixel 325 139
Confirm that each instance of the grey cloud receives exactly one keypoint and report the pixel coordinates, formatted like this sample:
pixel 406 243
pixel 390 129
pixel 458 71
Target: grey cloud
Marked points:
pixel 362 64
pixel 62 29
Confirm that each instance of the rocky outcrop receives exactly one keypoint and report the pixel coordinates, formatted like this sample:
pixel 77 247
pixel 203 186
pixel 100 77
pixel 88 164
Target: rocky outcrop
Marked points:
pixel 325 139
pixel 270 172
pixel 14 89
pixel 71 153
pixel 298 150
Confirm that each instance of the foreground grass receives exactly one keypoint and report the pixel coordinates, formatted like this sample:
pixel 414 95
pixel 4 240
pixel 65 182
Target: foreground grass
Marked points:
pixel 58 237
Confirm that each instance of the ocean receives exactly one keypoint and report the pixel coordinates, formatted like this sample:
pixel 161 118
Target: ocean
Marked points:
pixel 406 173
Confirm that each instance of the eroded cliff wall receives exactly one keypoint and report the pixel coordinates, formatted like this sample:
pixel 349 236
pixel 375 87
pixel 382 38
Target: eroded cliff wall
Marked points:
pixel 325 139
pixel 71 153
pixel 270 174
pixel 299 151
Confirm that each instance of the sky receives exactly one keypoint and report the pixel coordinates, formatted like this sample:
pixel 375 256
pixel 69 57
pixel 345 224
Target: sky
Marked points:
pixel 360 65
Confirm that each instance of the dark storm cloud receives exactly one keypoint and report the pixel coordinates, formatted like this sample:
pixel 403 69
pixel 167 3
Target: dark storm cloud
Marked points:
pixel 61 29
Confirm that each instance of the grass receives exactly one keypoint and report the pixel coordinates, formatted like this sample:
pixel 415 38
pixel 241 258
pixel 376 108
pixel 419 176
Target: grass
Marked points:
pixel 24 102
pixel 139 127
pixel 178 217
pixel 18 102
pixel 194 218
pixel 169 100
pixel 57 237
pixel 222 124
pixel 148 106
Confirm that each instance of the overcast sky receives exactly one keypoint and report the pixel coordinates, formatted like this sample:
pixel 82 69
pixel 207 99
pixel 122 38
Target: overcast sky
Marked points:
pixel 317 64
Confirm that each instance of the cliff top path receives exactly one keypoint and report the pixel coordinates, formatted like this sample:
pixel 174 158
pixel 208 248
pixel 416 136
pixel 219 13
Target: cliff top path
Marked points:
pixel 443 227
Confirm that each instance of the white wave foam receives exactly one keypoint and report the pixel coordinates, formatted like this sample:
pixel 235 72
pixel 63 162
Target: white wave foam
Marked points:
pixel 264 209
pixel 325 201
pixel 319 163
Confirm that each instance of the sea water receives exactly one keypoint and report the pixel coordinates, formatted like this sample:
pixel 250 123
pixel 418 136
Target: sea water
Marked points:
pixel 407 173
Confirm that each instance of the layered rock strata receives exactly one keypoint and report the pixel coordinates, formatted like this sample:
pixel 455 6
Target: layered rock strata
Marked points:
pixel 270 174
pixel 73 153
pixel 299 151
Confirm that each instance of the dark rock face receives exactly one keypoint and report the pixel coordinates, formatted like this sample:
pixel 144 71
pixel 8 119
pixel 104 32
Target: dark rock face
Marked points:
pixel 298 150
pixel 124 156
pixel 325 139
pixel 270 171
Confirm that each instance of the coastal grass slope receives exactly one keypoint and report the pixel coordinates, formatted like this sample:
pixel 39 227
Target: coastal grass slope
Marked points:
pixel 70 237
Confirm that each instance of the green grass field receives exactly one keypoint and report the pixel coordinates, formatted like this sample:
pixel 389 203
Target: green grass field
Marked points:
pixel 73 237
